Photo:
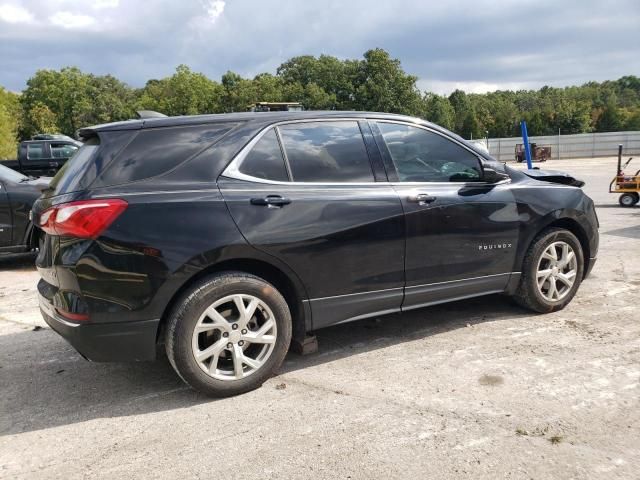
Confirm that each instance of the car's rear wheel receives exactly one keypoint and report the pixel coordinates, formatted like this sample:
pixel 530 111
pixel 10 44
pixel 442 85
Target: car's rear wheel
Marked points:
pixel 552 271
pixel 228 334
pixel 629 199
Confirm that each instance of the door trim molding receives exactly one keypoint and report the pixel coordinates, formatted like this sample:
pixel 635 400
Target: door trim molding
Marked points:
pixel 417 296
pixel 350 307
pixel 412 286
pixel 328 311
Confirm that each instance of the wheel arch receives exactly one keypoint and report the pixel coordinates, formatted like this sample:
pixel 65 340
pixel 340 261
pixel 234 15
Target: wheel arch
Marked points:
pixel 570 224
pixel 291 289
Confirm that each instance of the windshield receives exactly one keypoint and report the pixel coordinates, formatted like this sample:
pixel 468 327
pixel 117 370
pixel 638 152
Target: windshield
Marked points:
pixel 8 175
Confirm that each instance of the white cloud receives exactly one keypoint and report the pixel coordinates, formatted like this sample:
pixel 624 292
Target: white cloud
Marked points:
pixel 214 8
pixel 476 45
pixel 70 20
pixel 444 87
pixel 15 14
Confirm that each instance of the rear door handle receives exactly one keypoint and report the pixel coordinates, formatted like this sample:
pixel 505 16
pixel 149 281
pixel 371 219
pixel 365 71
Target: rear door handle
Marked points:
pixel 422 198
pixel 271 201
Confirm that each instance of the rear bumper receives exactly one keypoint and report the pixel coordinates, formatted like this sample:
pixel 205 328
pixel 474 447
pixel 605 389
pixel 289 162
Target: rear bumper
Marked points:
pixel 105 342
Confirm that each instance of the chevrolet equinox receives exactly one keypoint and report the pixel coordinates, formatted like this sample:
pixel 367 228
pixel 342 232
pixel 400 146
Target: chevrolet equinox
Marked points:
pixel 224 239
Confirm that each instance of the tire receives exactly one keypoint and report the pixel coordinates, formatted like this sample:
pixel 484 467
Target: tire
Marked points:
pixel 225 331
pixel 628 199
pixel 535 291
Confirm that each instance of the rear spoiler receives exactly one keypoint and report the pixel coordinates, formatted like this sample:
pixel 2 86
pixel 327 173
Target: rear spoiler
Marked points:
pixel 144 114
pixel 133 124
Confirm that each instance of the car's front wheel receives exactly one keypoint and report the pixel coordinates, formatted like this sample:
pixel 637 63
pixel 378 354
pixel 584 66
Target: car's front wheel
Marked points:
pixel 229 334
pixel 552 271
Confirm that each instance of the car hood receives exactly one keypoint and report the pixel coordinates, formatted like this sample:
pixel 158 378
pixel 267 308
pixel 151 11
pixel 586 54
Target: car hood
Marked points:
pixel 554 176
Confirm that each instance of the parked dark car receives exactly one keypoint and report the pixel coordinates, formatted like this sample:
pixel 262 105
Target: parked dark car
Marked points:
pixel 43 156
pixel 17 194
pixel 228 237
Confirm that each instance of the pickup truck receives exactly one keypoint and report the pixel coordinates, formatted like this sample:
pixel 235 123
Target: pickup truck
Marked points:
pixel 43 157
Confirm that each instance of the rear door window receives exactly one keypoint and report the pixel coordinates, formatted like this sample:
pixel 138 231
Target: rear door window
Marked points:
pixel 265 160
pixel 156 151
pixel 35 151
pixel 326 152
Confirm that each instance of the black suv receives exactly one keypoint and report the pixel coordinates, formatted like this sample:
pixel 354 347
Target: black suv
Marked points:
pixel 228 238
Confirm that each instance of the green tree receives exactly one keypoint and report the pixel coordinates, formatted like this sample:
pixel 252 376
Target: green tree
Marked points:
pixel 315 98
pixel 466 123
pixel 610 120
pixel 184 93
pixel 269 88
pixel 382 86
pixel 67 99
pixel 112 100
pixel 335 77
pixel 238 93
pixel 42 119
pixel 64 93
pixel 9 123
pixel 438 109
pixel 73 100
pixel 633 121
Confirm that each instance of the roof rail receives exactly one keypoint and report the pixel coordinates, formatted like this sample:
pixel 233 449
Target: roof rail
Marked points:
pixel 142 114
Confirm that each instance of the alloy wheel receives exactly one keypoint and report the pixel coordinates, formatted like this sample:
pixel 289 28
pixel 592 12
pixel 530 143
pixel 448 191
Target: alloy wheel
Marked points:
pixel 556 272
pixel 234 337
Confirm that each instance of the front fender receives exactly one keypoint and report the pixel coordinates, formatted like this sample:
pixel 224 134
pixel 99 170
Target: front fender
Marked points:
pixel 541 212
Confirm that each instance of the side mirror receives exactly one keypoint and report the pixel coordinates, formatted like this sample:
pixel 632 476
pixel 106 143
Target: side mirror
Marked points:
pixel 491 175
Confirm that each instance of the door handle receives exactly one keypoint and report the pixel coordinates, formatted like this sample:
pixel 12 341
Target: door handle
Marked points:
pixel 271 201
pixel 422 198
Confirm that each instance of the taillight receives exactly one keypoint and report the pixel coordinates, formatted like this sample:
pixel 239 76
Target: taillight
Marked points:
pixel 84 219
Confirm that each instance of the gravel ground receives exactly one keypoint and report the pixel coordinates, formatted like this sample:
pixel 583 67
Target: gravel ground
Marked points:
pixel 474 389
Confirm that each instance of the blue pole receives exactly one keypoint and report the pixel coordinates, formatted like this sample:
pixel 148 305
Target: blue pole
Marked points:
pixel 525 141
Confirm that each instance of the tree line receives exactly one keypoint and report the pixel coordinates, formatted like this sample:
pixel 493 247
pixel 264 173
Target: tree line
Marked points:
pixel 67 99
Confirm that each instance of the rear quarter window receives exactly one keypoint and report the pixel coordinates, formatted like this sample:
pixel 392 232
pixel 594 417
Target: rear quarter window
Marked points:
pixel 265 160
pixel 156 151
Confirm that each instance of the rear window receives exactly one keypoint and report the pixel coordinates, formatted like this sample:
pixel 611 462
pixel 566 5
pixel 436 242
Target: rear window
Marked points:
pixel 71 176
pixel 156 151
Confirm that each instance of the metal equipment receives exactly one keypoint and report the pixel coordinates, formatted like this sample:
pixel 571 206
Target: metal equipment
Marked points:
pixel 538 154
pixel 627 185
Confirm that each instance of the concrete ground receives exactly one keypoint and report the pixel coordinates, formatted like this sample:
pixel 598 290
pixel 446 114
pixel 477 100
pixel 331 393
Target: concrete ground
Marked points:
pixel 474 389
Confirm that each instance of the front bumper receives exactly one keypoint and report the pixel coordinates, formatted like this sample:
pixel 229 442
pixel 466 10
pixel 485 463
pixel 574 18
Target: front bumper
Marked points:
pixel 105 342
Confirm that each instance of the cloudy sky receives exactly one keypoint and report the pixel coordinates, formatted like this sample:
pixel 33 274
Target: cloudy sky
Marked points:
pixel 475 45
